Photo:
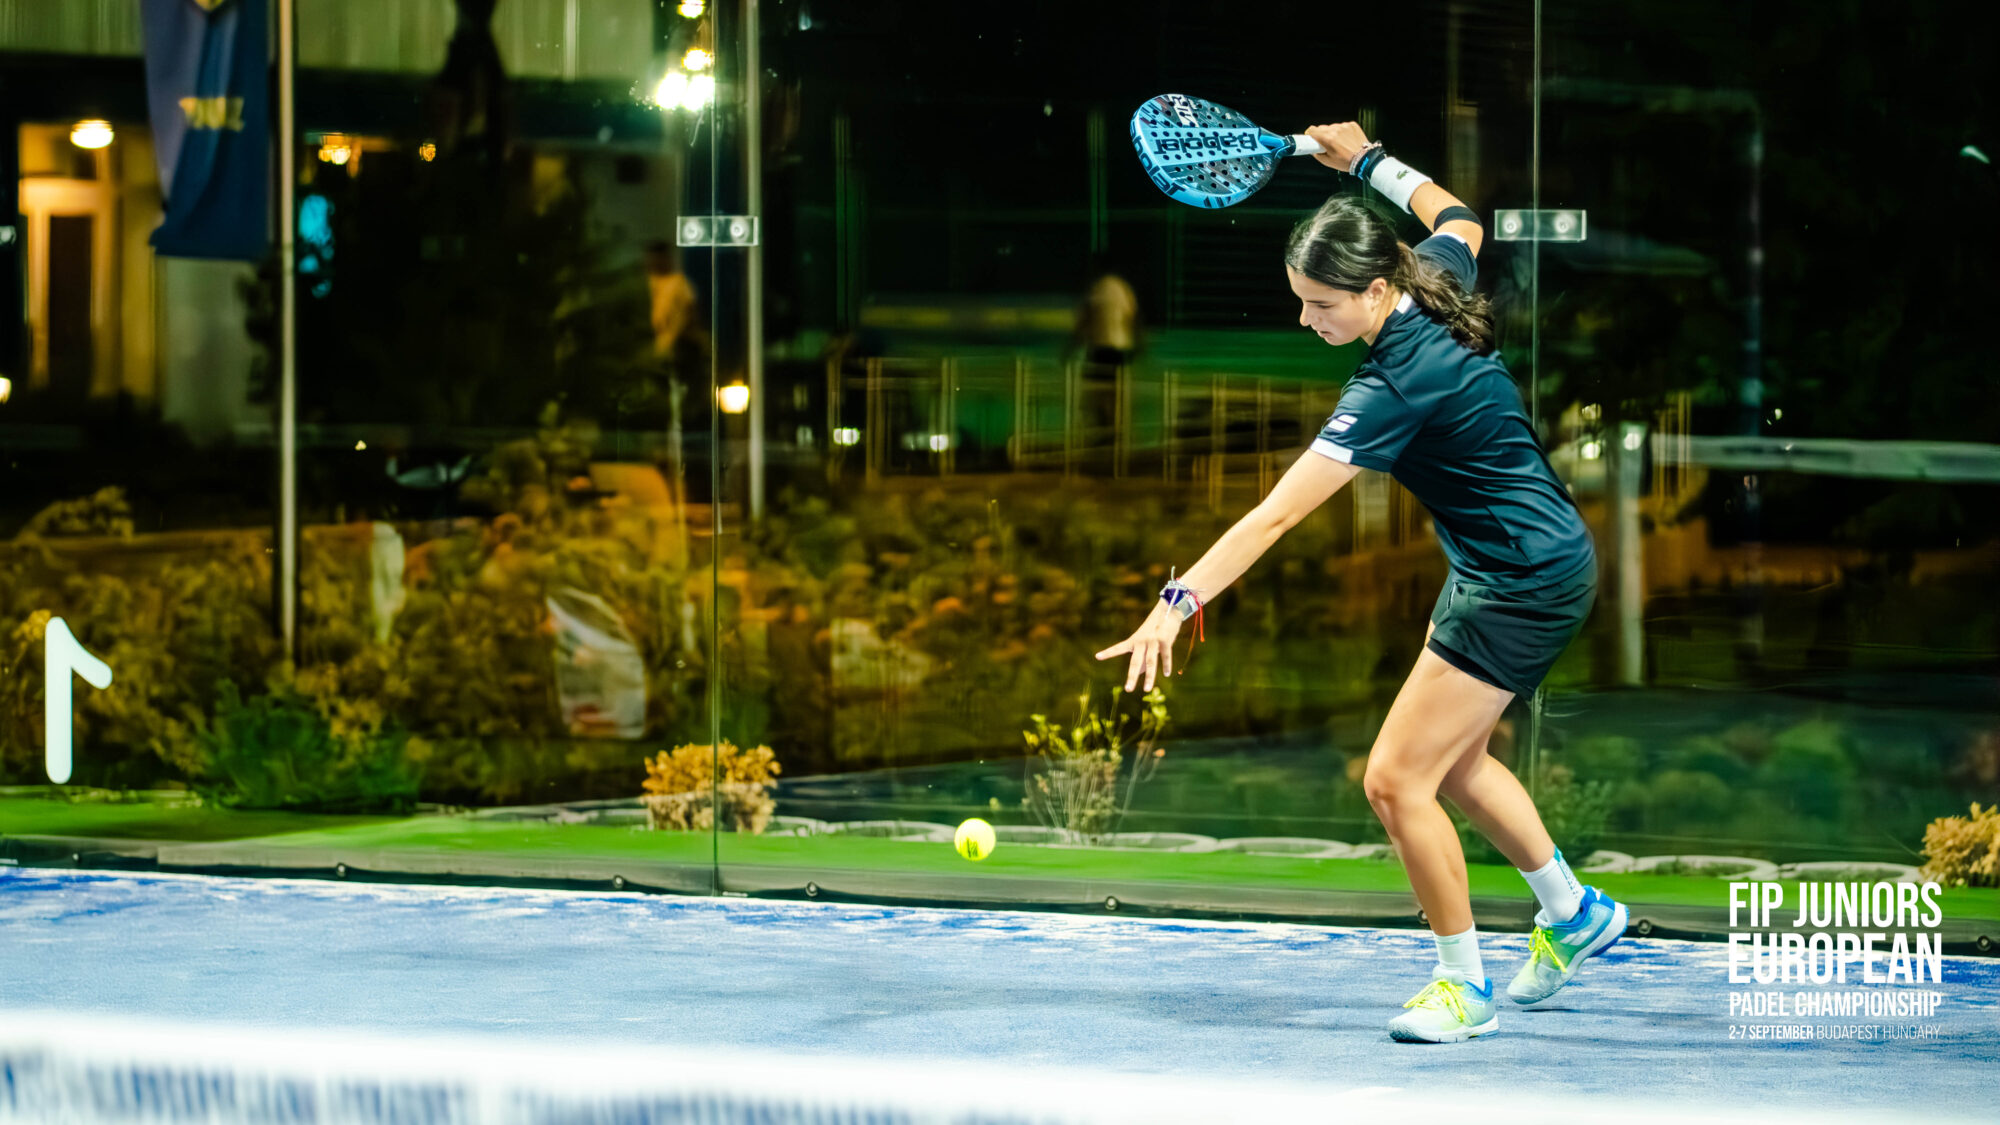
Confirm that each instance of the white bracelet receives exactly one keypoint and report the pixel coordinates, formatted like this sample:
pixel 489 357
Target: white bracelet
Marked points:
pixel 1396 180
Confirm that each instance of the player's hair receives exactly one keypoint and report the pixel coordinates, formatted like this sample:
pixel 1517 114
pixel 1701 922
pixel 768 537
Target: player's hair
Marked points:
pixel 1347 245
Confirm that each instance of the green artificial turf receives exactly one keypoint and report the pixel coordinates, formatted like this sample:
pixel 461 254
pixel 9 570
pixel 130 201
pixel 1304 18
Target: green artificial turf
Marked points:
pixel 831 852
pixel 34 816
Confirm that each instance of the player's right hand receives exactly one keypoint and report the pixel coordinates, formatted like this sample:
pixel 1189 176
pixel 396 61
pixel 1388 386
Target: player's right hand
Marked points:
pixel 1341 143
pixel 1151 645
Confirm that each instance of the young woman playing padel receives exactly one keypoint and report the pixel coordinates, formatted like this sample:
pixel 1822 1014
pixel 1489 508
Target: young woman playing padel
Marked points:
pixel 1433 406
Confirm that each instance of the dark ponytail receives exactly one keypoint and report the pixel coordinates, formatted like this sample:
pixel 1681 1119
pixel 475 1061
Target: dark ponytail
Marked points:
pixel 1346 245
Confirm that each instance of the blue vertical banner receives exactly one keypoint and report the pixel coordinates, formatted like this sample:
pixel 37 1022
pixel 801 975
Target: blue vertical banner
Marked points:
pixel 208 90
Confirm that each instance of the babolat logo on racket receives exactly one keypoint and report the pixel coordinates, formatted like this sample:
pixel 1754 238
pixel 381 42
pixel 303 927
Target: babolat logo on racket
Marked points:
pixel 1182 107
pixel 1235 142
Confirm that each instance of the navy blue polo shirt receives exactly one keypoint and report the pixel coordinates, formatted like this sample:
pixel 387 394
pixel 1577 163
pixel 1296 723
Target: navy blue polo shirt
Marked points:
pixel 1449 426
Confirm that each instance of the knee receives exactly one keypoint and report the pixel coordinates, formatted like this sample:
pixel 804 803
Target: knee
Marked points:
pixel 1389 789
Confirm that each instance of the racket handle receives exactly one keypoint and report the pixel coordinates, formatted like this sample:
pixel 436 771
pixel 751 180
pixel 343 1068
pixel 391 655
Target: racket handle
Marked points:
pixel 1303 145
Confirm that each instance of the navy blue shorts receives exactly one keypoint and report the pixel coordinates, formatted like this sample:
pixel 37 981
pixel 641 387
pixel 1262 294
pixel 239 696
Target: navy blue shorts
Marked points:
pixel 1510 636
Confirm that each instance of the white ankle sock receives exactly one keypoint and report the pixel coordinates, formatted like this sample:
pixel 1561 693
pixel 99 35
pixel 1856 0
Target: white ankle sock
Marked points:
pixel 1555 886
pixel 1460 953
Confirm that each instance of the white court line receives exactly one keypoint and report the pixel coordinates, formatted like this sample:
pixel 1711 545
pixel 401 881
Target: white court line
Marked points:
pixel 57 1066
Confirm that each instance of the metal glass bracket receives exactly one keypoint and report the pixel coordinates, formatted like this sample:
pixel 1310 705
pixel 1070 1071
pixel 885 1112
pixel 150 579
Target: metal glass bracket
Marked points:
pixel 1564 225
pixel 717 230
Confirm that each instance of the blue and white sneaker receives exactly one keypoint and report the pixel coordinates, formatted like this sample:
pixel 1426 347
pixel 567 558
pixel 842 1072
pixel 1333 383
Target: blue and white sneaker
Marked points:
pixel 1450 1009
pixel 1557 951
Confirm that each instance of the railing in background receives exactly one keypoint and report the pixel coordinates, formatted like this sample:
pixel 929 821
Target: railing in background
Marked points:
pixel 1229 434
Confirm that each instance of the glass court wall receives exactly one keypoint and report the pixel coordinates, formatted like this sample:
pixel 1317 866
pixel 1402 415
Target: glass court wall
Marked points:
pixel 727 431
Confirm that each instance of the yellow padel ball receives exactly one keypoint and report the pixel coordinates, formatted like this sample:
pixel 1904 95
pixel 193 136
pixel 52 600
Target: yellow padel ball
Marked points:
pixel 974 840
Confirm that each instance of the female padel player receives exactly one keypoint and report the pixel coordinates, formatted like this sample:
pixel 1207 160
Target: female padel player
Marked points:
pixel 1433 406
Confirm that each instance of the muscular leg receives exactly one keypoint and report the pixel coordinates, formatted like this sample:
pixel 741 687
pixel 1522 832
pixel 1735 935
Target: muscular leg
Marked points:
pixel 1493 799
pixel 1440 716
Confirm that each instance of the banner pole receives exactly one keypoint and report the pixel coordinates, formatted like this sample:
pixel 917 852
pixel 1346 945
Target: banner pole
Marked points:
pixel 288 437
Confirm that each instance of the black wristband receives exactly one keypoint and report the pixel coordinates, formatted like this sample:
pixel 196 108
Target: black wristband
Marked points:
pixel 1455 212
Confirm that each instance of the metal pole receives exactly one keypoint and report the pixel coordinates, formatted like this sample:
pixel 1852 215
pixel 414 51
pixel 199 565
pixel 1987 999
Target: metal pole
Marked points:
pixel 753 174
pixel 1071 378
pixel 1627 457
pixel 288 351
pixel 1750 642
pixel 1534 739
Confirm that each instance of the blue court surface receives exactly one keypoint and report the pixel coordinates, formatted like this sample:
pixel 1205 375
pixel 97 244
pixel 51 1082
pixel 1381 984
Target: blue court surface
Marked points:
pixel 1060 1017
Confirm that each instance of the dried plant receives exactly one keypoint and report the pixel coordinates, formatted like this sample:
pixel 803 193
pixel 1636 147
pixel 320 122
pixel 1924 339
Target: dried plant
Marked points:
pixel 682 786
pixel 1073 774
pixel 1964 852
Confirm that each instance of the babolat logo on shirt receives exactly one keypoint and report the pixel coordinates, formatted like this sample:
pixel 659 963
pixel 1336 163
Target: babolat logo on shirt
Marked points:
pixel 1341 423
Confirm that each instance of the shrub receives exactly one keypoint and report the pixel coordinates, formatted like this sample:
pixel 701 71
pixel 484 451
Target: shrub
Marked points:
pixel 1961 851
pixel 104 512
pixel 1811 766
pixel 1606 757
pixel 1574 813
pixel 681 787
pixel 1681 798
pixel 277 751
pixel 170 629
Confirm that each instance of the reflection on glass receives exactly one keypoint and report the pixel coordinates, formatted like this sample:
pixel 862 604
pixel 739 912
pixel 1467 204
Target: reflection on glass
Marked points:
pixel 760 573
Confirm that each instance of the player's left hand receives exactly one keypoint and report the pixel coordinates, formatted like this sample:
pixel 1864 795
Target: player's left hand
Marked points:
pixel 1151 645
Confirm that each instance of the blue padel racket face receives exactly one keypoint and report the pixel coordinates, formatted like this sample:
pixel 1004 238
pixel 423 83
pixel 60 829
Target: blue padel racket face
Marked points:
pixel 1203 154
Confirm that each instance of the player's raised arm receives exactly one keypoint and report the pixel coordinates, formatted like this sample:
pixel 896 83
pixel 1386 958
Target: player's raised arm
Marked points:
pixel 1349 150
pixel 1442 212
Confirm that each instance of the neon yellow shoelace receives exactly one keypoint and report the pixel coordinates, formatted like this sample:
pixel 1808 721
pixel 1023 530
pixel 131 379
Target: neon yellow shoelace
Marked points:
pixel 1539 945
pixel 1440 994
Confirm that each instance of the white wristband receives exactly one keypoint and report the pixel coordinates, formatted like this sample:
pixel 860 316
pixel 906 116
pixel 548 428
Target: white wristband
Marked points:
pixel 1396 180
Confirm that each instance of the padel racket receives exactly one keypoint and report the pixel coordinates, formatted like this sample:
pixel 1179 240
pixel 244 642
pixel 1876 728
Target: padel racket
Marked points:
pixel 1206 155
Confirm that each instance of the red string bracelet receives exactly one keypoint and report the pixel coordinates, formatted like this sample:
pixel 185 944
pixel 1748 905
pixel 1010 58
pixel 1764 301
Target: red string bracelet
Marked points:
pixel 1200 632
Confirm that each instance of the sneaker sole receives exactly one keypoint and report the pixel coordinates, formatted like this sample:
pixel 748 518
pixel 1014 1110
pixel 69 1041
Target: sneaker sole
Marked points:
pixel 1402 1035
pixel 1612 932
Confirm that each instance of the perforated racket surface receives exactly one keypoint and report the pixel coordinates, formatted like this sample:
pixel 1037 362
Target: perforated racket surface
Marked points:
pixel 1206 155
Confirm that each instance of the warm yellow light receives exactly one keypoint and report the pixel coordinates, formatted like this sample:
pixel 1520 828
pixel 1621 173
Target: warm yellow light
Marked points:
pixel 697 59
pixel 335 149
pixel 427 150
pixel 6 388
pixel 91 134
pixel 692 9
pixel 671 90
pixel 735 398
pixel 1592 450
pixel 846 435
pixel 700 91
pixel 359 446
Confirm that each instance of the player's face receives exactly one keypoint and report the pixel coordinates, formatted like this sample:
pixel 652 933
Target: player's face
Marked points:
pixel 1340 317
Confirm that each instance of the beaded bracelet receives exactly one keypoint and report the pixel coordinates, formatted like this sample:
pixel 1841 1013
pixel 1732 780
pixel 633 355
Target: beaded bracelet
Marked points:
pixel 1356 166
